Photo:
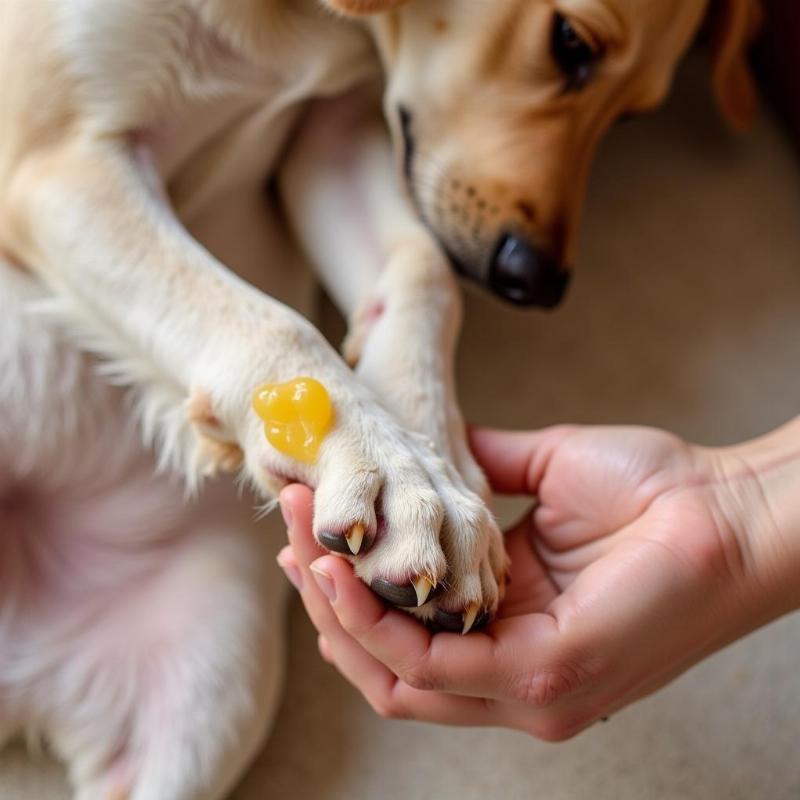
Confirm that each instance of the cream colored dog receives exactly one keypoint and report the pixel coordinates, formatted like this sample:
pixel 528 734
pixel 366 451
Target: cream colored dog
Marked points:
pixel 140 631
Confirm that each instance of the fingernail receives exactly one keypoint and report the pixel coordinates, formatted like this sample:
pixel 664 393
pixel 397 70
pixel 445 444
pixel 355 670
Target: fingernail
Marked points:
pixel 292 573
pixel 325 582
pixel 287 515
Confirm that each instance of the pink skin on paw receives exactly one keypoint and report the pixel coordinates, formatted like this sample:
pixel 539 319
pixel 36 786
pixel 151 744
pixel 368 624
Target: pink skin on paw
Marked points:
pixel 374 313
pixel 369 318
pixel 364 322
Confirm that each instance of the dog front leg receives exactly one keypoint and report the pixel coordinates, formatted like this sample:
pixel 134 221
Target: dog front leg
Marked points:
pixel 90 219
pixel 343 200
pixel 383 269
pixel 92 224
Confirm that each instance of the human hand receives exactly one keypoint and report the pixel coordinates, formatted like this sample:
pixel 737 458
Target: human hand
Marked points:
pixel 643 555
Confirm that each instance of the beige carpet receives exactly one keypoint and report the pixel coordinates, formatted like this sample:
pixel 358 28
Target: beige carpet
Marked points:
pixel 685 314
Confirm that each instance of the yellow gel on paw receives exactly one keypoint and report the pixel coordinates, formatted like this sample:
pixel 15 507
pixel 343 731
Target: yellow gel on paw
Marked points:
pixel 297 416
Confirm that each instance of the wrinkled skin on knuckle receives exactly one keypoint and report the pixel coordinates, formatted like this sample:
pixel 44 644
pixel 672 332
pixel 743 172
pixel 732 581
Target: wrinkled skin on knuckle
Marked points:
pixel 418 674
pixel 542 688
pixel 418 677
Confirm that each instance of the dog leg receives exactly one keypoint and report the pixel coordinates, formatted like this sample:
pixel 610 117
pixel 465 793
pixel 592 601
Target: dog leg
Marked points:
pixel 91 223
pixel 392 279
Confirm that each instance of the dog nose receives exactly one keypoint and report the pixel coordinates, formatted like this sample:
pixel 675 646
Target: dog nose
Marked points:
pixel 524 275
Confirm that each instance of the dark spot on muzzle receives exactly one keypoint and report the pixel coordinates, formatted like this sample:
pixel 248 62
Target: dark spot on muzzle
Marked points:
pixel 523 274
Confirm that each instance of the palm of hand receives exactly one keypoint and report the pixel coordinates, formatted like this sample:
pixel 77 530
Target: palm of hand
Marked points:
pixel 615 505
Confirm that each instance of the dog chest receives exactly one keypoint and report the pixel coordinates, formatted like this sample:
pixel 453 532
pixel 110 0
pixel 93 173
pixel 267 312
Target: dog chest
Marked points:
pixel 209 92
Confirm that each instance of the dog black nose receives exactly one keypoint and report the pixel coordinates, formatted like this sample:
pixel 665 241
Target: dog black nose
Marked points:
pixel 524 275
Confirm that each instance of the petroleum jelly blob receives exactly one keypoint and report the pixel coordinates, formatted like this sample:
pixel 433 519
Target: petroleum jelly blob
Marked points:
pixel 297 416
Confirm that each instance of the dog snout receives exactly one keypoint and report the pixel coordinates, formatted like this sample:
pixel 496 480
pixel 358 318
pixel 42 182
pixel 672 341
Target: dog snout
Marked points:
pixel 524 274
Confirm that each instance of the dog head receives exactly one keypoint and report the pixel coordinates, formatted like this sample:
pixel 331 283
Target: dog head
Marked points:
pixel 496 108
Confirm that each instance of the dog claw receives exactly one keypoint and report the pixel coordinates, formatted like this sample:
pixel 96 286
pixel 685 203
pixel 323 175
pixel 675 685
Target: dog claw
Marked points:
pixel 423 587
pixel 355 538
pixel 470 615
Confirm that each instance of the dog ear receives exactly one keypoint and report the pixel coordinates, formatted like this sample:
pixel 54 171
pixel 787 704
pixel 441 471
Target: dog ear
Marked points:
pixel 734 26
pixel 357 8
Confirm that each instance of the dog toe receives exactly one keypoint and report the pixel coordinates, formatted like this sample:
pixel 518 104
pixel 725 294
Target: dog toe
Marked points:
pixel 355 540
pixel 473 618
pixel 411 595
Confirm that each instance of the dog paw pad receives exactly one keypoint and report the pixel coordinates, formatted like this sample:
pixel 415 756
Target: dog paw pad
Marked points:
pixel 472 619
pixel 410 595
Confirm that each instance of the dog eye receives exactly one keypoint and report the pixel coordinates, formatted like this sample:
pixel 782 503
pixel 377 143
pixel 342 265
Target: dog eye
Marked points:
pixel 575 57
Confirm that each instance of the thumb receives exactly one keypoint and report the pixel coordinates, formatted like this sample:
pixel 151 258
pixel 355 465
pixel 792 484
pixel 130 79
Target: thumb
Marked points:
pixel 515 461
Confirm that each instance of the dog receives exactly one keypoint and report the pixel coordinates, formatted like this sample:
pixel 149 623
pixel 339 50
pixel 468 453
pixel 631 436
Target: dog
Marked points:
pixel 141 624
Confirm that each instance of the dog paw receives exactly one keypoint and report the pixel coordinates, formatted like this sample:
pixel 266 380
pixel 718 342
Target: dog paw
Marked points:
pixel 414 531
pixel 384 498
